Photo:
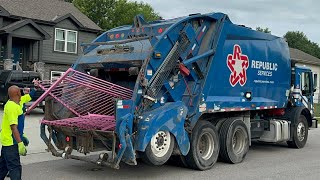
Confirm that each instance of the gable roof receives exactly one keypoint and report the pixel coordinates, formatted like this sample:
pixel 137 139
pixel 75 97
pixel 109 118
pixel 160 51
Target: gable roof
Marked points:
pixel 47 10
pixel 18 24
pixel 300 56
pixel 58 19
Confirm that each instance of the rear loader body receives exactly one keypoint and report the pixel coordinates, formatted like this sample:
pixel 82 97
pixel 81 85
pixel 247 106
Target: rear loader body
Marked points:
pixel 192 88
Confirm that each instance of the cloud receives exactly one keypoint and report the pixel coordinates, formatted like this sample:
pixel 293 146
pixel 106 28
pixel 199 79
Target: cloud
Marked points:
pixel 278 16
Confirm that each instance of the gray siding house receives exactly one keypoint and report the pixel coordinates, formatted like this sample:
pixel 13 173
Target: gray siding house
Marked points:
pixel 48 31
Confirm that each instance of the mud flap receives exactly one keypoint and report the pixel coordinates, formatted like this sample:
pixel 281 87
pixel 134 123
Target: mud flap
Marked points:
pixel 126 152
pixel 124 117
pixel 170 117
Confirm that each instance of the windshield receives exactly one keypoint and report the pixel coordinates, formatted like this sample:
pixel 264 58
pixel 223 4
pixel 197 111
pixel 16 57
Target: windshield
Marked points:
pixel 24 77
pixel 4 76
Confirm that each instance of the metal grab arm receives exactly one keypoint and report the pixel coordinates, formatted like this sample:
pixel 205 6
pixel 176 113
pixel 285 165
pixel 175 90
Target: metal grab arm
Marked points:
pixel 194 59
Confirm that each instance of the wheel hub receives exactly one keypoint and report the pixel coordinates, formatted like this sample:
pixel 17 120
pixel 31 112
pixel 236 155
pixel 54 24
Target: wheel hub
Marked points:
pixel 238 141
pixel 301 131
pixel 160 143
pixel 206 146
pixel 160 140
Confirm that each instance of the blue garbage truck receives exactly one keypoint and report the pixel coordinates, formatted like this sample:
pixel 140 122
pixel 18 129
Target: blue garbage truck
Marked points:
pixel 203 88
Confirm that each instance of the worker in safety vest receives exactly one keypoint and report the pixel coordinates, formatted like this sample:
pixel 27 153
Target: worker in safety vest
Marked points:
pixel 27 97
pixel 10 151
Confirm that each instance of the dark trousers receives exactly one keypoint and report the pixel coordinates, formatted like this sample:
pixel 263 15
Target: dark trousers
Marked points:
pixel 10 162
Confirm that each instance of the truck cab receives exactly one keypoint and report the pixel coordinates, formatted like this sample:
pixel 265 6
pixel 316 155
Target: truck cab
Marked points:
pixel 303 88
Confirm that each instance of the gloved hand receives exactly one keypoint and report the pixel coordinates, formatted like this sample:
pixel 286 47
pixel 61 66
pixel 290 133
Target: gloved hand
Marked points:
pixel 25 140
pixel 22 149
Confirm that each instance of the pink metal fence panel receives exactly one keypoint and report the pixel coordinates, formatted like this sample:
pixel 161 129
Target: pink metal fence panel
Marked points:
pixel 89 122
pixel 89 98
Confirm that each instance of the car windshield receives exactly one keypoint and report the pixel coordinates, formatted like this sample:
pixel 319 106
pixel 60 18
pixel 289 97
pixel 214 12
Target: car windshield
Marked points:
pixel 4 76
pixel 24 77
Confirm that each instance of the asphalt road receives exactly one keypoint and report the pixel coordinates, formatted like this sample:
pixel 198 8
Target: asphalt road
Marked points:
pixel 264 161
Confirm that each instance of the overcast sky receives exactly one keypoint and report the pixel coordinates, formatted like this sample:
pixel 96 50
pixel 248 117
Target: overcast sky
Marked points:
pixel 279 16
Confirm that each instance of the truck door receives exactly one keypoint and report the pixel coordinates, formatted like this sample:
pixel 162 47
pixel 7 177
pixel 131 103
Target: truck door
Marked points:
pixel 305 83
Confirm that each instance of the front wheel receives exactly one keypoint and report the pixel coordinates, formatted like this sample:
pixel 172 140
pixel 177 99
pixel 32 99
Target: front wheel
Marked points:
pixel 159 149
pixel 299 133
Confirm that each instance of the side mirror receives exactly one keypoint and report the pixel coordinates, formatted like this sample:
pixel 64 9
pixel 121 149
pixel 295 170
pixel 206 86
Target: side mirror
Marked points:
pixel 315 89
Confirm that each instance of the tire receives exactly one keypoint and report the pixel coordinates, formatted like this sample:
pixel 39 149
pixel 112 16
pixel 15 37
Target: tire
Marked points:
pixel 178 160
pixel 204 147
pixel 158 155
pixel 299 133
pixel 234 141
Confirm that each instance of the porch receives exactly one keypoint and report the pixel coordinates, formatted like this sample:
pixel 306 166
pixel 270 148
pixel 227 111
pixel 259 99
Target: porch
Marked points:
pixel 22 42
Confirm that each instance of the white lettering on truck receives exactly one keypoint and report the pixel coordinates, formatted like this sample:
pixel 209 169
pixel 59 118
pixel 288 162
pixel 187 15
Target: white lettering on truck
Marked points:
pixel 264 68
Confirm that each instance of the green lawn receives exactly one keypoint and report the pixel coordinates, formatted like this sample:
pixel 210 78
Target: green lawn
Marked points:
pixel 316 110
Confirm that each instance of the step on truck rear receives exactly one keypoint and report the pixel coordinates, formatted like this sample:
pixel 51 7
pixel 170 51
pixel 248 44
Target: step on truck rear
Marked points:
pixel 190 89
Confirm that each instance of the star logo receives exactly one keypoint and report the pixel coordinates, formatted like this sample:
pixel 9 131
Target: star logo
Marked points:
pixel 238 64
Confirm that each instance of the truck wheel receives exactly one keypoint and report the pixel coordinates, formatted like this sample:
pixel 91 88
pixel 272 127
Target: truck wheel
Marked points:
pixel 234 141
pixel 299 133
pixel 178 160
pixel 204 149
pixel 159 149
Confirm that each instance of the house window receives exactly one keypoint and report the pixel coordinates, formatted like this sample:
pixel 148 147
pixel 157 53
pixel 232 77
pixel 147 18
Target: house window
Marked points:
pixel 56 75
pixel 65 40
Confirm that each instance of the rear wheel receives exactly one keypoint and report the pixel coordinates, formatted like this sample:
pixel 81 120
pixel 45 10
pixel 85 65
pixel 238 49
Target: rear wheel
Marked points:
pixel 234 141
pixel 299 133
pixel 204 149
pixel 159 149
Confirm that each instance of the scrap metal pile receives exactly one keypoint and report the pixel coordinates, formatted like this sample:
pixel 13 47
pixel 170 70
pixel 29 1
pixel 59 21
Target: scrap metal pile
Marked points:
pixel 89 98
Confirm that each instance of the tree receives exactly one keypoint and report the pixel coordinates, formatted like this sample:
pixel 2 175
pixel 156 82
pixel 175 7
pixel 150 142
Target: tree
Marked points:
pixel 99 11
pixel 266 30
pixel 125 12
pixel 299 40
pixel 112 13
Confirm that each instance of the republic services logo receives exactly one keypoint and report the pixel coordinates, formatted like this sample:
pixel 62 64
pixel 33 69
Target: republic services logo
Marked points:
pixel 238 64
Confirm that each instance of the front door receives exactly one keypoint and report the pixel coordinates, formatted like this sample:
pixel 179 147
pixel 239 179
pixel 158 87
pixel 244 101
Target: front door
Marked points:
pixel 20 51
pixel 17 54
pixel 304 82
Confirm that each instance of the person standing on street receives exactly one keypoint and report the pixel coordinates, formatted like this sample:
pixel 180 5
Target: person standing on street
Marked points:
pixel 10 151
pixel 27 97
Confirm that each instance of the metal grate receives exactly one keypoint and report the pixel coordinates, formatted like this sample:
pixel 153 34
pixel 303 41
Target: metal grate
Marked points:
pixel 163 72
pixel 90 99
pixel 89 122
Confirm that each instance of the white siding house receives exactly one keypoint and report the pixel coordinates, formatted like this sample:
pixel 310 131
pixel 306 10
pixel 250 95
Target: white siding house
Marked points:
pixel 303 59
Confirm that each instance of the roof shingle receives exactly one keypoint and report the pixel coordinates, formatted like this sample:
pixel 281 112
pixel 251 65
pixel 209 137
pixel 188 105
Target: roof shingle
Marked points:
pixel 46 10
pixel 298 55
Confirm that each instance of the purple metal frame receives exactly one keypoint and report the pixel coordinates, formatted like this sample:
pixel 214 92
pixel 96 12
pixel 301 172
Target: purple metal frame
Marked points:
pixel 91 99
pixel 89 122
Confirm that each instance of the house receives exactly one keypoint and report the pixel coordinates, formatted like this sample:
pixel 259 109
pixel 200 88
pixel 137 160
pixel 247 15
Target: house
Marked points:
pixel 303 59
pixel 48 31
